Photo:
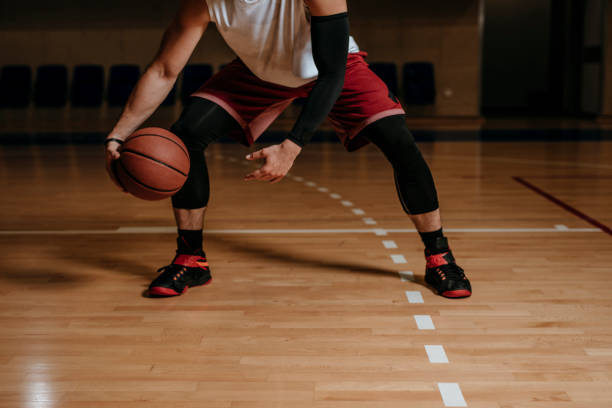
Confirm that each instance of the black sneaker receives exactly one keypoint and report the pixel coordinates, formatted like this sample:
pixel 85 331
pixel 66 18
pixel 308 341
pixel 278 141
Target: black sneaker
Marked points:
pixel 444 274
pixel 184 272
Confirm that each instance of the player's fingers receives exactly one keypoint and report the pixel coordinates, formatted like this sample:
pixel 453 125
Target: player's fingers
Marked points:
pixel 260 154
pixel 254 175
pixel 276 179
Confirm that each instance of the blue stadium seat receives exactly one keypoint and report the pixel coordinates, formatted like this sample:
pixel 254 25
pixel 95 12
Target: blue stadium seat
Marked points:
pixel 194 77
pixel 51 86
pixel 87 85
pixel 419 83
pixel 122 80
pixel 15 86
pixel 387 71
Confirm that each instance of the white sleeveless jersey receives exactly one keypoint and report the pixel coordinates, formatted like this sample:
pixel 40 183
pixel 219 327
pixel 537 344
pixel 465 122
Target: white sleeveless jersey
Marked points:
pixel 271 37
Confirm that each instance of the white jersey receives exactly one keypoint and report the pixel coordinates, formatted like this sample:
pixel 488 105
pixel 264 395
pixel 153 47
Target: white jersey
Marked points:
pixel 271 37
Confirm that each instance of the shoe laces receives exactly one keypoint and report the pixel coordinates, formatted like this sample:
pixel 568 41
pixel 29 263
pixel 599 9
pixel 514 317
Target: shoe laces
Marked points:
pixel 173 269
pixel 450 271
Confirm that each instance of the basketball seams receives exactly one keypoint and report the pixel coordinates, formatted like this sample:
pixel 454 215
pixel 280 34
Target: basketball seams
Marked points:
pixel 158 190
pixel 137 153
pixel 163 137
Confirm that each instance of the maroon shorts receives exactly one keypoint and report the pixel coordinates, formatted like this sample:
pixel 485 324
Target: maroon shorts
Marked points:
pixel 255 103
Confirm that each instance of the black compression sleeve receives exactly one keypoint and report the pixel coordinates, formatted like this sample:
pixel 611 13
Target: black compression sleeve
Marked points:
pixel 330 39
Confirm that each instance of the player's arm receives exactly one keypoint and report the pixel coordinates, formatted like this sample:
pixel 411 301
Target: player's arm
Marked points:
pixel 329 30
pixel 178 43
pixel 329 27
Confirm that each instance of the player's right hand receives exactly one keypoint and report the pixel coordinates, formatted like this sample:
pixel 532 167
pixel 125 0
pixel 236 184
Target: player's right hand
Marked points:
pixel 112 154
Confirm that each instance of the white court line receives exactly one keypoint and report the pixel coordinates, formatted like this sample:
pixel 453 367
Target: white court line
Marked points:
pixel 561 227
pixel 310 184
pixel 389 244
pixel 406 276
pixel 369 221
pixel 451 395
pixel 358 211
pixel 323 189
pixel 398 259
pixel 436 354
pixel 414 296
pixel 163 230
pixel 335 196
pixel 377 231
pixel 299 179
pixel 346 203
pixel 424 322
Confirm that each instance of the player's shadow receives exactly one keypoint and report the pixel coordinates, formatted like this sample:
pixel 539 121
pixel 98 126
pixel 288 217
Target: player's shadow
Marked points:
pixel 265 252
pixel 143 267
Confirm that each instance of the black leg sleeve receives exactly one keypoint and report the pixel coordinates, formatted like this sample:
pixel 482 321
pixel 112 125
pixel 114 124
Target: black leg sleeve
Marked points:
pixel 201 123
pixel 413 179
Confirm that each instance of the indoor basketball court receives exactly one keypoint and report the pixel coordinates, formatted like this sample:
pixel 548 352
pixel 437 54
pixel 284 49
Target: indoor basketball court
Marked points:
pixel 318 296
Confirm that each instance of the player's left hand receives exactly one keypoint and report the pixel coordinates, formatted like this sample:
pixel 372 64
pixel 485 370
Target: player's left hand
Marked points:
pixel 278 160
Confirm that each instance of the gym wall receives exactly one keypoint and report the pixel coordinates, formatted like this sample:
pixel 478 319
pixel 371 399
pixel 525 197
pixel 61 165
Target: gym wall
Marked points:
pixel 607 74
pixel 70 32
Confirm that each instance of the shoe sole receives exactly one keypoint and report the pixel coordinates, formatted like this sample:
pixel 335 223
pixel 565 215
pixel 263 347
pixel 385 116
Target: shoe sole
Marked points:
pixel 456 294
pixel 160 291
pixel 451 294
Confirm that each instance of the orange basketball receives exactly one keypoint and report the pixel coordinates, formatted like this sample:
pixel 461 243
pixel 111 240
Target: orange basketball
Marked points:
pixel 153 165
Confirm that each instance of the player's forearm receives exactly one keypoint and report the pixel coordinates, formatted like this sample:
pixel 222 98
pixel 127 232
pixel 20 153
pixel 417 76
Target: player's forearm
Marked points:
pixel 330 39
pixel 149 93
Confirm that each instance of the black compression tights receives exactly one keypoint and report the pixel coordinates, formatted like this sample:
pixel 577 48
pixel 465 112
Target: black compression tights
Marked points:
pixel 201 123
pixel 413 179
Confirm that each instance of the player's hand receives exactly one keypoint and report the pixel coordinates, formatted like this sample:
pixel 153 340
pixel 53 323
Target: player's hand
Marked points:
pixel 112 154
pixel 278 160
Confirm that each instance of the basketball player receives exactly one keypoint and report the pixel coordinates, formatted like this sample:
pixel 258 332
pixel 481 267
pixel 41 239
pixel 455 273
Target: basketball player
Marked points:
pixel 286 49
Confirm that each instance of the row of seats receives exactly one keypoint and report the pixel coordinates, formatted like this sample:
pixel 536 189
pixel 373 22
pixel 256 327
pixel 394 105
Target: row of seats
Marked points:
pixel 51 87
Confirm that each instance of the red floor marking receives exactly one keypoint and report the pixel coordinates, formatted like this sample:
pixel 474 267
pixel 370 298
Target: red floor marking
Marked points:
pixel 565 206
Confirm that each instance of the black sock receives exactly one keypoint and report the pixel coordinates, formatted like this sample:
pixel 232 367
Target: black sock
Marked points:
pixel 434 241
pixel 189 242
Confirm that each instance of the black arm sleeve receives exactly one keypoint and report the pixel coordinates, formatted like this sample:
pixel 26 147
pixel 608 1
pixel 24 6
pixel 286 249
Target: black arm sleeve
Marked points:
pixel 330 39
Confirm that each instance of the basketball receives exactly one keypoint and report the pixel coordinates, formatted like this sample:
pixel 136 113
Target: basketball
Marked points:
pixel 153 165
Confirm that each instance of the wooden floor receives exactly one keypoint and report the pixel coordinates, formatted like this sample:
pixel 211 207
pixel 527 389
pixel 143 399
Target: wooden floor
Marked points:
pixel 308 307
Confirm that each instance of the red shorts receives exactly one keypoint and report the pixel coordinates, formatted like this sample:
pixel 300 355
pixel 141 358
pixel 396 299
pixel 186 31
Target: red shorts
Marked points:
pixel 255 103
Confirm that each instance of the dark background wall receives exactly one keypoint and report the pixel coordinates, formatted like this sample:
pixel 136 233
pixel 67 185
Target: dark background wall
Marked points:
pixel 516 54
pixel 543 57
pixel 445 32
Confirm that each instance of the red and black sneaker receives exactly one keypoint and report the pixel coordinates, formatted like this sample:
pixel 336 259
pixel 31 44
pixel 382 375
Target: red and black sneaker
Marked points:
pixel 444 274
pixel 184 272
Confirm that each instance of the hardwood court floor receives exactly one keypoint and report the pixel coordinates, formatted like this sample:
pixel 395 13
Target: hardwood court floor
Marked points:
pixel 309 318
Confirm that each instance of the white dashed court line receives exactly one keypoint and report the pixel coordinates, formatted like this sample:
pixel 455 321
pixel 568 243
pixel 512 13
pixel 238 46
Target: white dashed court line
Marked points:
pixel 380 231
pixel 346 203
pixel 310 184
pixel 298 179
pixel 406 276
pixel 436 354
pixel 389 244
pixel 323 189
pixel 451 395
pixel 398 259
pixel 414 296
pixel 369 221
pixel 358 211
pixel 424 322
pixel 561 227
pixel 335 196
